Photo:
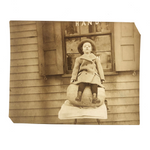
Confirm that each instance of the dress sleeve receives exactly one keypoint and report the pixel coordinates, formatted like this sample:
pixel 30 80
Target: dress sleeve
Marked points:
pixel 100 69
pixel 76 69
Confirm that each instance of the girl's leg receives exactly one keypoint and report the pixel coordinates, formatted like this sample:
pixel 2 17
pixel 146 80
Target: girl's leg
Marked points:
pixel 94 88
pixel 80 91
pixel 81 87
pixel 94 93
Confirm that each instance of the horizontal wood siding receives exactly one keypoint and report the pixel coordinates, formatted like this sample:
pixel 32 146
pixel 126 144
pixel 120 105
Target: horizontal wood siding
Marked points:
pixel 25 34
pixel 34 100
pixel 22 27
pixel 24 48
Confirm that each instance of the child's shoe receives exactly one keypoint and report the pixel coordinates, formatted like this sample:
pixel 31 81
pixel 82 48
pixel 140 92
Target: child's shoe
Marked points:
pixel 95 100
pixel 78 98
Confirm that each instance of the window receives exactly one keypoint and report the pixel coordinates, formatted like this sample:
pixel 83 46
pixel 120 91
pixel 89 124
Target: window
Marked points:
pixel 118 45
pixel 100 32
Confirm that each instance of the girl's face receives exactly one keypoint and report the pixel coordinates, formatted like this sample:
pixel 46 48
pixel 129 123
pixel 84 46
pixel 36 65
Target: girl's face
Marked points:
pixel 87 48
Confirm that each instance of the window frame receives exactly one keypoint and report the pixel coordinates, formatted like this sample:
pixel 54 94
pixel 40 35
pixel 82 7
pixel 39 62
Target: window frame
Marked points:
pixel 111 33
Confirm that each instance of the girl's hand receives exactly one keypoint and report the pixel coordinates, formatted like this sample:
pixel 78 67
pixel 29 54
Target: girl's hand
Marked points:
pixel 102 81
pixel 72 81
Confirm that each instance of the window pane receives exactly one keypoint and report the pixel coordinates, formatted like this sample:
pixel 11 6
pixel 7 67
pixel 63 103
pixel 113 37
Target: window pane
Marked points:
pixel 102 42
pixel 106 61
pixel 72 44
pixel 71 60
pixel 71 28
pixel 72 51
pixel 102 27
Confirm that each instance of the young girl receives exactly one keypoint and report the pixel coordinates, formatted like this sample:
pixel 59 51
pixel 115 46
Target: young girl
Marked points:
pixel 87 70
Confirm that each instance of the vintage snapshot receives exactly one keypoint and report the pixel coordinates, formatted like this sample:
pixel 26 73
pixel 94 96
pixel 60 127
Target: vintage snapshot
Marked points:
pixel 74 72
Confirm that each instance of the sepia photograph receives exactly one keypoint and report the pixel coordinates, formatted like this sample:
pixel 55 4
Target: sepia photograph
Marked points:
pixel 74 75
pixel 74 72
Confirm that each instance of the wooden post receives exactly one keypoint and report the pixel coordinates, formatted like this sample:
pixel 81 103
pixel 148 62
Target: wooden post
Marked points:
pixel 75 121
pixel 98 121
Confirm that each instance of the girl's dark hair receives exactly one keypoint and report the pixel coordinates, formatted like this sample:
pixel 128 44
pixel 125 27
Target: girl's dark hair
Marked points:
pixel 80 46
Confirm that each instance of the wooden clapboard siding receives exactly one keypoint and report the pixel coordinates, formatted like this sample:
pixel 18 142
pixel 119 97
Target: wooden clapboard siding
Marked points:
pixel 44 89
pixel 34 112
pixel 58 103
pixel 123 100
pixel 24 69
pixel 15 23
pixel 23 62
pixel 24 34
pixel 24 55
pixel 122 85
pixel 122 93
pixel 108 86
pixel 28 82
pixel 63 88
pixel 24 48
pixel 120 77
pixel 88 123
pixel 132 122
pixel 113 117
pixel 37 104
pixel 25 77
pixel 54 111
pixel 35 100
pixel 42 120
pixel 24 41
pixel 22 27
pixel 37 97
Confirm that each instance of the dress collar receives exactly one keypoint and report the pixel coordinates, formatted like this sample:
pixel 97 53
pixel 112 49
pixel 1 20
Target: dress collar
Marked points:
pixel 89 57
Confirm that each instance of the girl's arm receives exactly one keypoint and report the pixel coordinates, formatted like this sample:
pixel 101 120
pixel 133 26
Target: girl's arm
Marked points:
pixel 100 69
pixel 75 69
